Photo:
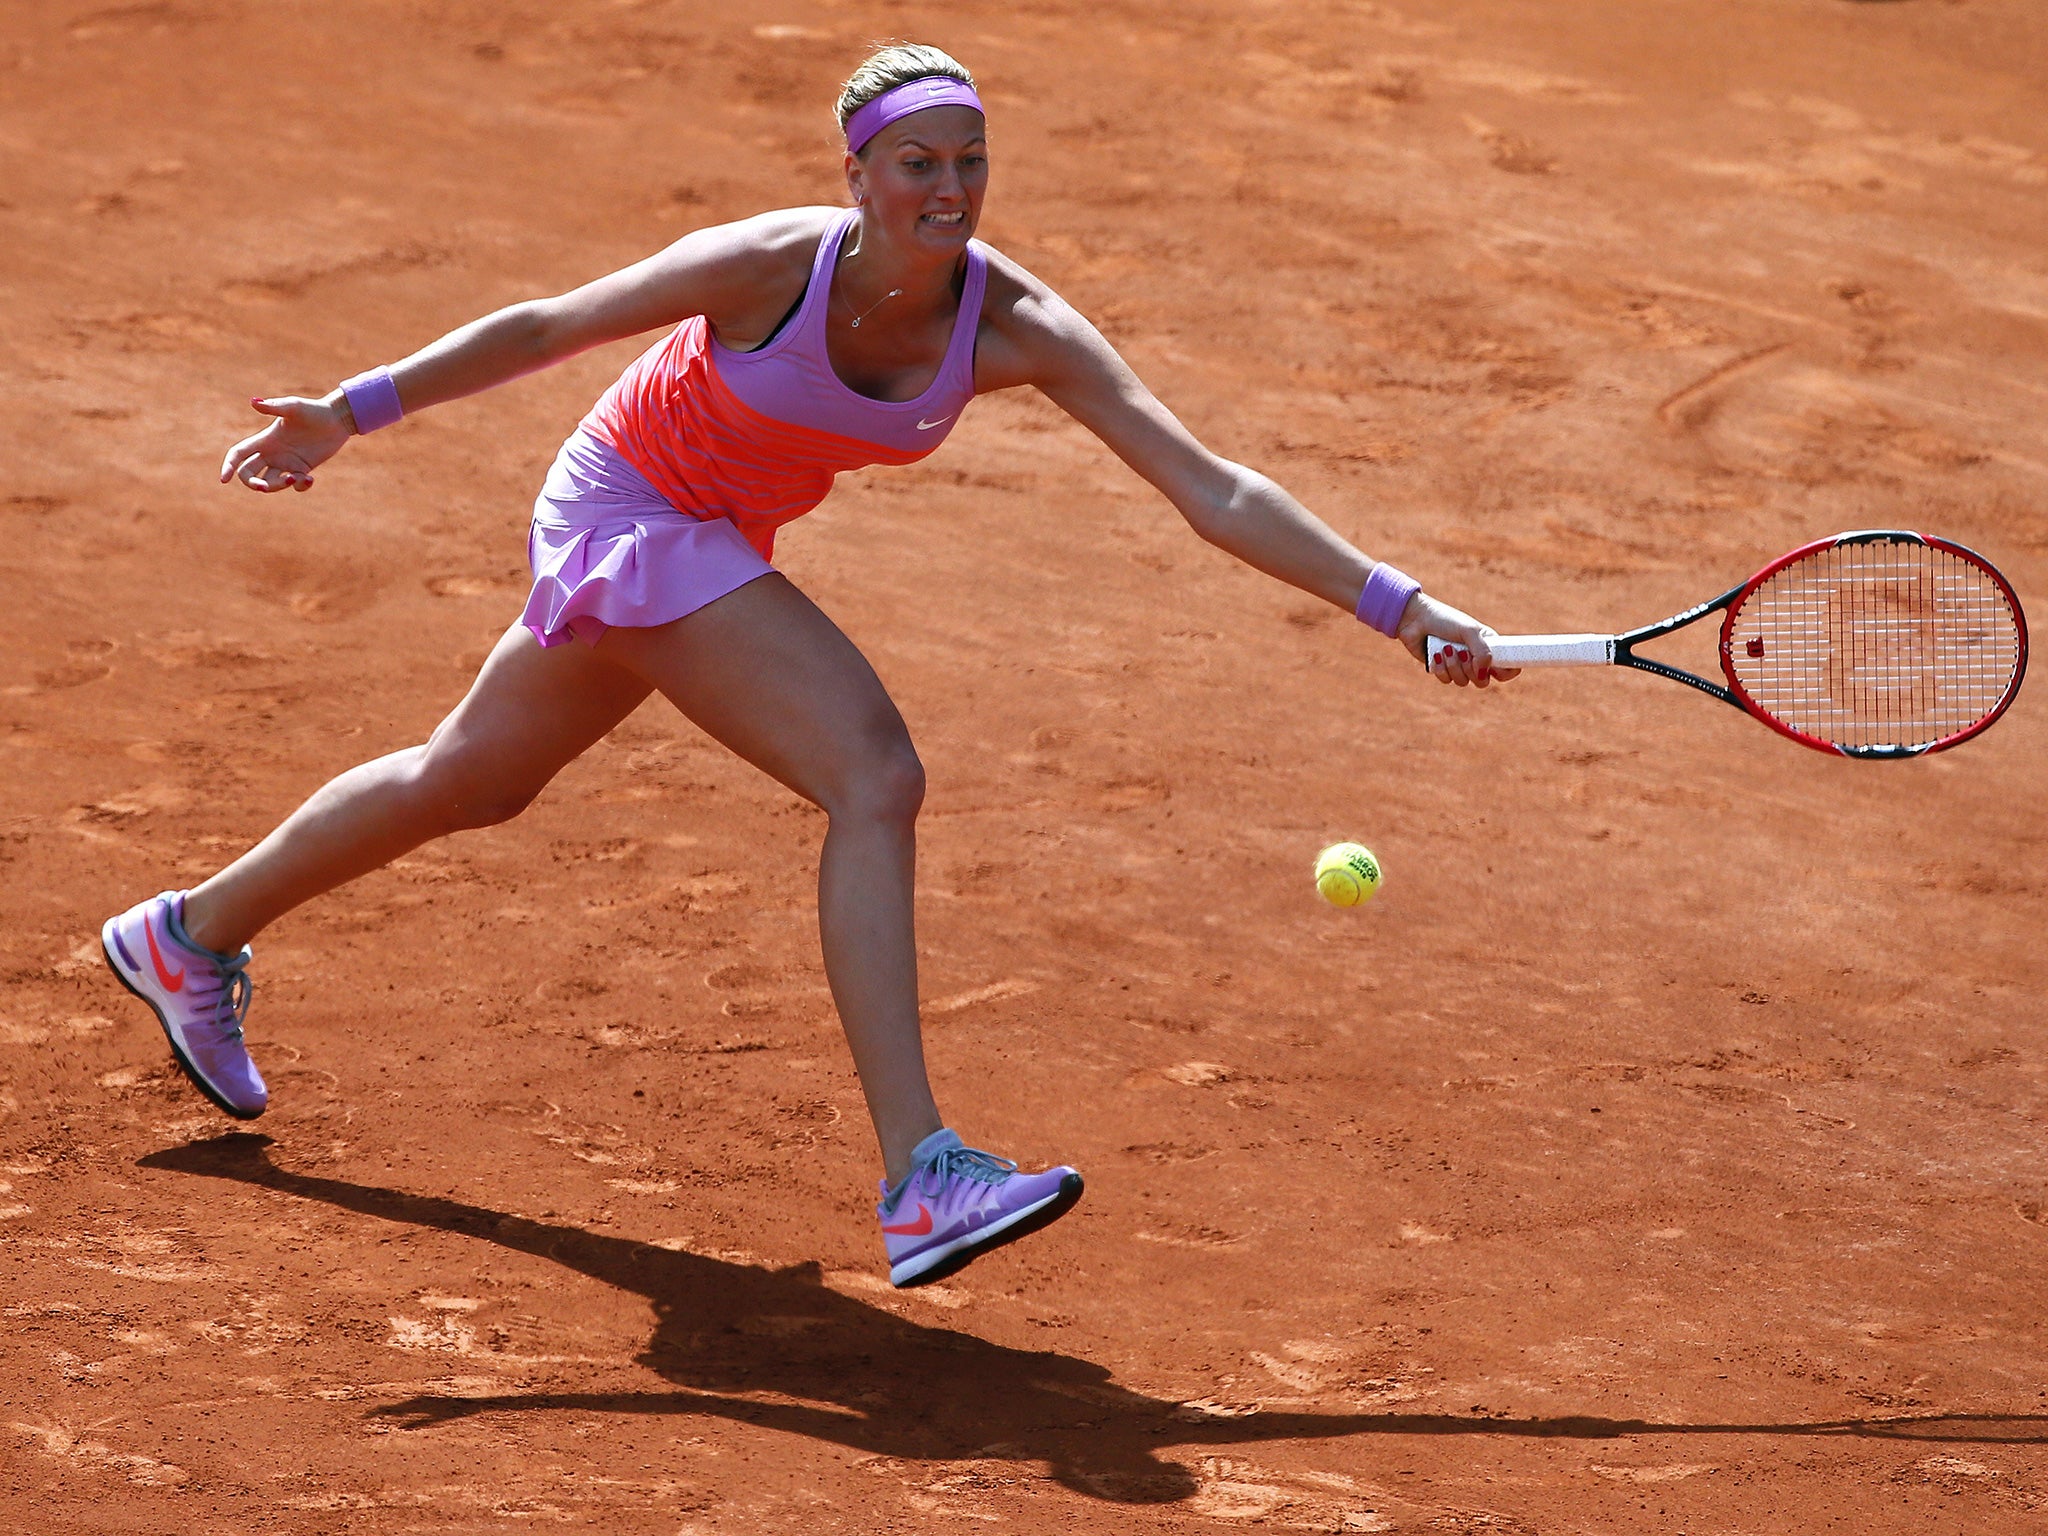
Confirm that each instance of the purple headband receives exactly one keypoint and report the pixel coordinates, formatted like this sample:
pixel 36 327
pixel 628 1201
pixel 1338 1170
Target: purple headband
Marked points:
pixel 901 101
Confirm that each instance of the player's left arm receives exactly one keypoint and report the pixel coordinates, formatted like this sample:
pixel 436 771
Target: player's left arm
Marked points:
pixel 1041 340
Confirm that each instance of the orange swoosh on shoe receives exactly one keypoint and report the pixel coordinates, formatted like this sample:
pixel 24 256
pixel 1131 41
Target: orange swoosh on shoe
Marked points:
pixel 172 983
pixel 916 1228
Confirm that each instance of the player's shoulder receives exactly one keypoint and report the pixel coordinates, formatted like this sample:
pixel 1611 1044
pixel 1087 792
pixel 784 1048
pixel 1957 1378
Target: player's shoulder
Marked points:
pixel 780 234
pixel 1025 311
pixel 1017 295
pixel 1029 333
pixel 782 228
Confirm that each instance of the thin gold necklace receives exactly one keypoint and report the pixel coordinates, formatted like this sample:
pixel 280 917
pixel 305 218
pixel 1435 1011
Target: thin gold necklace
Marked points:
pixel 885 298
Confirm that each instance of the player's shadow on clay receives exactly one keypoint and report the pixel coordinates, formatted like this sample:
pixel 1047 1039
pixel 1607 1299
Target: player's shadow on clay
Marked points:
pixel 879 1383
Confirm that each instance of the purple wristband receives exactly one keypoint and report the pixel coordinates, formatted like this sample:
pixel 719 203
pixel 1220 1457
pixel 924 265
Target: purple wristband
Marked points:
pixel 1385 598
pixel 372 399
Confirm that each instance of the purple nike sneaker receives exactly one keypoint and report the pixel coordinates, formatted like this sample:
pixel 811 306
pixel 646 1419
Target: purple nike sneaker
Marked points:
pixel 198 996
pixel 956 1204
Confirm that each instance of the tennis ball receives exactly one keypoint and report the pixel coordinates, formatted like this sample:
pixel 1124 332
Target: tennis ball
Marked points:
pixel 1347 874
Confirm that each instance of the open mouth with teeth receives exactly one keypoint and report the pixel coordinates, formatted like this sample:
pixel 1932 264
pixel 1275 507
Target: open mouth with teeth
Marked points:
pixel 945 220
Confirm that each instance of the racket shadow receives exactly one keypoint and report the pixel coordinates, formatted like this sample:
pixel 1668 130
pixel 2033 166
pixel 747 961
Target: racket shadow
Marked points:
pixel 859 1376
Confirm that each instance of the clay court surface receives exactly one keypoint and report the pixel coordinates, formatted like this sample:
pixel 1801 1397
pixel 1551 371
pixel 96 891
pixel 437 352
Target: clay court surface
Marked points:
pixel 1662 1150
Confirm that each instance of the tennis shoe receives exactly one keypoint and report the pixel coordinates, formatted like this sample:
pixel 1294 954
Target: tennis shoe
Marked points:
pixel 197 995
pixel 957 1204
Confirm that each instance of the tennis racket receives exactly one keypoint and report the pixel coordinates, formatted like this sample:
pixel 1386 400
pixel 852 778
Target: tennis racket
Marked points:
pixel 1880 644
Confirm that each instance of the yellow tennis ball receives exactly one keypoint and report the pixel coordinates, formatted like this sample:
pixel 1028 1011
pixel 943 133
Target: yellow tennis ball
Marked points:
pixel 1347 874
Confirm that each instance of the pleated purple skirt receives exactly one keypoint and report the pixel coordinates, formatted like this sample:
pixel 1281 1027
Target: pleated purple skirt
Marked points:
pixel 607 548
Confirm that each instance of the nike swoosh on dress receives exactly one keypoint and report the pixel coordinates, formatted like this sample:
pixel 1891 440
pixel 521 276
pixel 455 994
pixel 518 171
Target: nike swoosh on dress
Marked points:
pixel 926 426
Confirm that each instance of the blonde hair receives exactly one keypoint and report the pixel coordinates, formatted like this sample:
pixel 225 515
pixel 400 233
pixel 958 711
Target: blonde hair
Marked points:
pixel 894 64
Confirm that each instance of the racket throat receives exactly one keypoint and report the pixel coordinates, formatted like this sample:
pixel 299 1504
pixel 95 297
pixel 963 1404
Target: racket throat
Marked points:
pixel 1625 656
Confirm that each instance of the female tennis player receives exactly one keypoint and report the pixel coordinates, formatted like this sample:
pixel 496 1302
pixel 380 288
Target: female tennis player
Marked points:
pixel 799 343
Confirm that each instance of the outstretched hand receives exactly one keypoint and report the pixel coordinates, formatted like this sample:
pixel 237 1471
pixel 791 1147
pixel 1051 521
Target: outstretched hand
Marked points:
pixel 304 435
pixel 1468 658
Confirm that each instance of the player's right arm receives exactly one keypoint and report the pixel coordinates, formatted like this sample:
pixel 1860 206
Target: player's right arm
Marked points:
pixel 742 276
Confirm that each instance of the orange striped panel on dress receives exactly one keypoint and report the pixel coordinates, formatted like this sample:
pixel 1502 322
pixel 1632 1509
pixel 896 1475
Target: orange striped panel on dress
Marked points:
pixel 710 453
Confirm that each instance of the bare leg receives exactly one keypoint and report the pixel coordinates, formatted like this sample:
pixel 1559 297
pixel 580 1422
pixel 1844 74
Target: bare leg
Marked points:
pixel 529 713
pixel 763 671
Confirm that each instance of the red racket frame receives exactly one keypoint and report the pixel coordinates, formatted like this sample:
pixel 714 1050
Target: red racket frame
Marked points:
pixel 1739 696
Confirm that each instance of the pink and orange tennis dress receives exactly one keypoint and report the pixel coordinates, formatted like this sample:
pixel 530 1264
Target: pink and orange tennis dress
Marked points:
pixel 668 494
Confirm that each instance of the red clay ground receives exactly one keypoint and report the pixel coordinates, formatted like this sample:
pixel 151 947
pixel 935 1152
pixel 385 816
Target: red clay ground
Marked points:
pixel 1661 1151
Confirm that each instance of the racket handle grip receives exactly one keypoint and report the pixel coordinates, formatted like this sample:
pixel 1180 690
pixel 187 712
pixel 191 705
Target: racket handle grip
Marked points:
pixel 1541 650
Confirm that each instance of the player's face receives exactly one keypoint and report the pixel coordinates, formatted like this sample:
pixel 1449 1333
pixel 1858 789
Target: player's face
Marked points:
pixel 923 178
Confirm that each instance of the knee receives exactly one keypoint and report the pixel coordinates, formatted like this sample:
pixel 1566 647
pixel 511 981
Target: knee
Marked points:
pixel 886 785
pixel 456 790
